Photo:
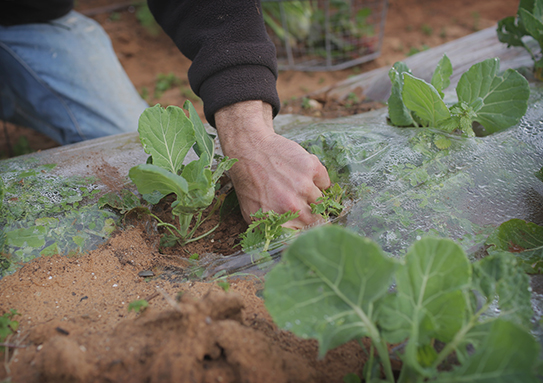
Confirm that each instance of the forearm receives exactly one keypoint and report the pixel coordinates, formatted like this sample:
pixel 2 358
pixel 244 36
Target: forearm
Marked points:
pixel 233 57
pixel 243 126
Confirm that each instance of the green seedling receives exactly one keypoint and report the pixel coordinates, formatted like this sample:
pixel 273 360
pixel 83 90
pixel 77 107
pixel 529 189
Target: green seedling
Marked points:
pixel 496 102
pixel 265 228
pixel 165 82
pixel 528 22
pixel 476 20
pixel 453 321
pixel 427 30
pixel 147 20
pixel 330 203
pixel 168 135
pixel 8 325
pixel 305 103
pixel 144 93
pixel 115 16
pixel 224 285
pixel 138 305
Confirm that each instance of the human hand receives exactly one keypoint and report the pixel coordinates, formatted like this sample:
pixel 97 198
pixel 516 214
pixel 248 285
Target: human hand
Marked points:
pixel 272 172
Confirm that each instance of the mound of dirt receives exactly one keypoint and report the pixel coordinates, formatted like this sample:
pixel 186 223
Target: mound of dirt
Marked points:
pixel 75 325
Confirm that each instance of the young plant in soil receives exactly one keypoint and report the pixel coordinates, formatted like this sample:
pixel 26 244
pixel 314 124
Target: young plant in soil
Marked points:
pixel 265 228
pixel 268 227
pixel 168 135
pixel 8 325
pixel 329 205
pixel 496 102
pixel 446 319
pixel 527 22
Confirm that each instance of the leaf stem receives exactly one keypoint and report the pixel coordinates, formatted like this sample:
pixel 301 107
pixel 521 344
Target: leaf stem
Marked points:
pixel 201 236
pixel 459 336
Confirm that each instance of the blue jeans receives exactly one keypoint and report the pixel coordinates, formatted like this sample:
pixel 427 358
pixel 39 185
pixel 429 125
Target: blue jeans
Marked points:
pixel 63 79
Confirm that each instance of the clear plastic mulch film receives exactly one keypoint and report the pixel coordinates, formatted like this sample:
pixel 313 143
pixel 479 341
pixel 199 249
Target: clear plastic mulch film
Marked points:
pixel 403 187
pixel 49 203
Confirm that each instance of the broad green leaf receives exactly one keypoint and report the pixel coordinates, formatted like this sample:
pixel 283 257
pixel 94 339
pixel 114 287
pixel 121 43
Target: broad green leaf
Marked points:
pixel 523 239
pixel 423 99
pixel 224 165
pixel 508 354
pixel 197 175
pixel 149 178
pixel 201 189
pixel 33 236
pixel 505 98
pixel 204 146
pixel 167 135
pixel 327 285
pixel 532 25
pixel 429 302
pixel 441 77
pixel 500 276
pixel 538 10
pixel 398 113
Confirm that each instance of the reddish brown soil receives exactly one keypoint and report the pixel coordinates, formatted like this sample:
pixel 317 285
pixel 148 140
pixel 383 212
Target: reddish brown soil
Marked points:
pixel 74 323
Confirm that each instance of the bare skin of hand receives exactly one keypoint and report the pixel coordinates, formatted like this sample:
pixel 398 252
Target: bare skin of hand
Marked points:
pixel 272 172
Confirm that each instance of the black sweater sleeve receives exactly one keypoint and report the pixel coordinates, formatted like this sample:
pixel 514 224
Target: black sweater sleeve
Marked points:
pixel 233 58
pixel 13 12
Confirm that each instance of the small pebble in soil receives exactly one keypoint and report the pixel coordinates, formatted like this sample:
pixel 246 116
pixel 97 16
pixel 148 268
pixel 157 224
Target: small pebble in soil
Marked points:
pixel 146 273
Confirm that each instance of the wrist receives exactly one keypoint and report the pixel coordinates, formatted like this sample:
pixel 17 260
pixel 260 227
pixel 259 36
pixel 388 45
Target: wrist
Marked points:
pixel 243 126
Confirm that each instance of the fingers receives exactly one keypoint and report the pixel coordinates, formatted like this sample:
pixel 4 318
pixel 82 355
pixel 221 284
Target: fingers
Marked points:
pixel 304 219
pixel 320 177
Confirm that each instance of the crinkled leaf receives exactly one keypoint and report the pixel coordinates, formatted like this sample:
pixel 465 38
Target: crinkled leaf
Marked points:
pixel 523 239
pixel 266 227
pixel 429 302
pixel 505 98
pixel 150 178
pixel 326 286
pixel 167 135
pixel 442 142
pixel 397 111
pixel 441 77
pixel 423 99
pixel 499 275
pixel 204 146
pixel 509 33
pixel 508 354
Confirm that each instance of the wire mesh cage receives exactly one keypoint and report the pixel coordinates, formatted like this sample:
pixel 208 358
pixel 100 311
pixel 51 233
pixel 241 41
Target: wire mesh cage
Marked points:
pixel 324 35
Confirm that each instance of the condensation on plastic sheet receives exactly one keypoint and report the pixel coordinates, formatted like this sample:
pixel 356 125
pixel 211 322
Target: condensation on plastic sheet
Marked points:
pixel 406 188
pixel 51 197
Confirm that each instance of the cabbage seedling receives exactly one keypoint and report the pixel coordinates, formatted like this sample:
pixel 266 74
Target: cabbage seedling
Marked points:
pixel 168 135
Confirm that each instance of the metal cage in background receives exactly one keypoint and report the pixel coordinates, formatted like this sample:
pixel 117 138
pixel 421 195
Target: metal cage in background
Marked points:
pixel 325 35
